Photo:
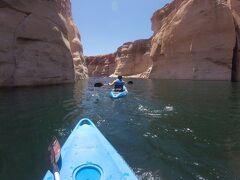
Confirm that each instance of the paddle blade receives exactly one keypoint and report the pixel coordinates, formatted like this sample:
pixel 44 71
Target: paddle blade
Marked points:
pixel 99 84
pixel 130 82
pixel 55 150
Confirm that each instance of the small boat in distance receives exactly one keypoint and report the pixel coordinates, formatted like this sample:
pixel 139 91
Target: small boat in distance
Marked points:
pixel 118 94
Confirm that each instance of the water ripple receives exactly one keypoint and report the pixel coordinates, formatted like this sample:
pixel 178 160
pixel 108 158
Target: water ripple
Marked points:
pixel 163 129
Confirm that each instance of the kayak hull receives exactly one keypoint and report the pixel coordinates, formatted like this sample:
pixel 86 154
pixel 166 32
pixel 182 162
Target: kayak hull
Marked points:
pixel 87 154
pixel 115 95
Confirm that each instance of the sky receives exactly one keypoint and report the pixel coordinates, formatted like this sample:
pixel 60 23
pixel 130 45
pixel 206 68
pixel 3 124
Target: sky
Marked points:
pixel 104 25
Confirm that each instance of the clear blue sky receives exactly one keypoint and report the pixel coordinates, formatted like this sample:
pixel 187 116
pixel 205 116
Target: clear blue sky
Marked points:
pixel 105 25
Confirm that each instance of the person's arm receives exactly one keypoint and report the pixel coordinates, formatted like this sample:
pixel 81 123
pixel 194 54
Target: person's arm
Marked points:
pixel 112 83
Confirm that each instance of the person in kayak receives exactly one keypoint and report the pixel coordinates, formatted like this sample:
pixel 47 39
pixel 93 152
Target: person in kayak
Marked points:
pixel 118 84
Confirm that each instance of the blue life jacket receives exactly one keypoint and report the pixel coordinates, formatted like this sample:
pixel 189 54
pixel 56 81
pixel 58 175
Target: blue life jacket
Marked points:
pixel 118 84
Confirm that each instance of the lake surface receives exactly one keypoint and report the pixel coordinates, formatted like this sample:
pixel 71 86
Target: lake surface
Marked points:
pixel 163 129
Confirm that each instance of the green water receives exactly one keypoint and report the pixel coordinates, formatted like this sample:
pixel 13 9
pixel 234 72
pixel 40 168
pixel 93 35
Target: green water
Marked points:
pixel 163 129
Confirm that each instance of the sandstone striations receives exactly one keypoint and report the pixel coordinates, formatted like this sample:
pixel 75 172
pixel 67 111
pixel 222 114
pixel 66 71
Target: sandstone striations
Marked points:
pixel 38 43
pixel 193 39
pixel 132 59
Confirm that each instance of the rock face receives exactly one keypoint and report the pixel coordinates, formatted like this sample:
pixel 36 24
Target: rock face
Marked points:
pixel 132 59
pixel 193 39
pixel 102 65
pixel 38 43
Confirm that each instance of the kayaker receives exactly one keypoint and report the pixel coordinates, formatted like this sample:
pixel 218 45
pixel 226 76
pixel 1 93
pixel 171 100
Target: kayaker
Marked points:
pixel 118 84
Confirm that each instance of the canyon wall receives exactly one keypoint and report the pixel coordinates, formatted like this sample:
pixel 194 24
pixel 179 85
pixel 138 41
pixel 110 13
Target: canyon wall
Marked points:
pixel 38 43
pixel 101 65
pixel 132 59
pixel 192 39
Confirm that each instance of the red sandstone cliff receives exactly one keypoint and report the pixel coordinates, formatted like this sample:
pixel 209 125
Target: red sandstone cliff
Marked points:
pixel 131 59
pixel 38 43
pixel 102 65
pixel 193 39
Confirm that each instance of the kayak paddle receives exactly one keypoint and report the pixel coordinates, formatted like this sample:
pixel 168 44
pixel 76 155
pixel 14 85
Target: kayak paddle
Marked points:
pixel 99 84
pixel 55 154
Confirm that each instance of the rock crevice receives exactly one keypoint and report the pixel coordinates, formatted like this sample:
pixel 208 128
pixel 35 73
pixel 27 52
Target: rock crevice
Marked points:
pixel 234 6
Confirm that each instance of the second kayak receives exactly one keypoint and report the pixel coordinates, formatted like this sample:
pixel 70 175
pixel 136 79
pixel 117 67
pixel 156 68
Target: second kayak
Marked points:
pixel 87 155
pixel 118 94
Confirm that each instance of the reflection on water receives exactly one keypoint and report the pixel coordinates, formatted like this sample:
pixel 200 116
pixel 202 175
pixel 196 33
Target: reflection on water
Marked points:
pixel 163 129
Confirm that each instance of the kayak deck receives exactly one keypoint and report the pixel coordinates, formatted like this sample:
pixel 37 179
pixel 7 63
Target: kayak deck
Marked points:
pixel 116 94
pixel 87 154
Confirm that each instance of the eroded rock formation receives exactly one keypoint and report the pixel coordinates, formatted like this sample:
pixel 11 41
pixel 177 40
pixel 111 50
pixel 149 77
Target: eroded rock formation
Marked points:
pixel 131 59
pixel 193 39
pixel 38 43
pixel 101 65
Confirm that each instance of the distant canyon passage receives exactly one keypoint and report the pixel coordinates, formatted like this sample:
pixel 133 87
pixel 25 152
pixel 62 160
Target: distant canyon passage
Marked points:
pixel 192 39
pixel 40 44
